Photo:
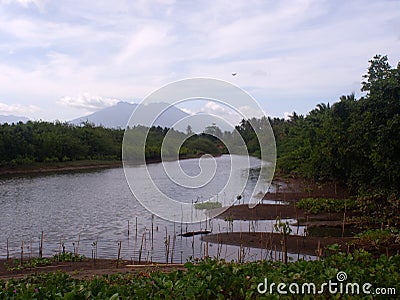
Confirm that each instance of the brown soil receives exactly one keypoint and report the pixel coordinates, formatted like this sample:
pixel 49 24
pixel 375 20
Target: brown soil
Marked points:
pixel 290 190
pixel 273 241
pixel 273 211
pixel 85 269
pixel 294 189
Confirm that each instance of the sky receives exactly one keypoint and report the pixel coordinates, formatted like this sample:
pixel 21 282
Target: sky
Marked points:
pixel 63 59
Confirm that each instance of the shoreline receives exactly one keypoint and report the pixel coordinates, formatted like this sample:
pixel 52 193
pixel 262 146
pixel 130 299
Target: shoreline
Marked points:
pixel 272 241
pixel 86 268
pixel 76 165
pixel 59 167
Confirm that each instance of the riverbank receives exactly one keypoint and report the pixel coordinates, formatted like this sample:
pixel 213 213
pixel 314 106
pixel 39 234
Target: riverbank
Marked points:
pixel 67 166
pixel 76 165
pixel 272 242
pixel 85 269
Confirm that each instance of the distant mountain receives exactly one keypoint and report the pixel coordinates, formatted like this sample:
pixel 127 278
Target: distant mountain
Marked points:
pixel 12 119
pixel 117 116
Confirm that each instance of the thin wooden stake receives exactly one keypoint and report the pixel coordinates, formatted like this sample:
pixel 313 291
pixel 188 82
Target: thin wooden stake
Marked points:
pixel 173 249
pixel 22 253
pixel 136 229
pixel 8 252
pixel 119 252
pixel 152 232
pixel 41 245
pixel 141 247
pixel 77 245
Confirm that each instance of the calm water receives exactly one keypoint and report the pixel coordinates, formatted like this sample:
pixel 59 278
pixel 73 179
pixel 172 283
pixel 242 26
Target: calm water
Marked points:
pixel 97 205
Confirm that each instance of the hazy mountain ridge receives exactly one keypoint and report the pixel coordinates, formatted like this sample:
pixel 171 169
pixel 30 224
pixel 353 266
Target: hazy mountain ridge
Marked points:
pixel 12 119
pixel 117 116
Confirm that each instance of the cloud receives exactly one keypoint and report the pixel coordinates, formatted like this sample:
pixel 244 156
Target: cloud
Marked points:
pixel 287 115
pixel 17 109
pixel 88 102
pixel 290 55
pixel 26 3
pixel 212 108
pixel 188 111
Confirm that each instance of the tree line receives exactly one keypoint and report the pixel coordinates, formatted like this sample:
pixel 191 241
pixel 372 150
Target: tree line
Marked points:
pixel 354 141
pixel 46 142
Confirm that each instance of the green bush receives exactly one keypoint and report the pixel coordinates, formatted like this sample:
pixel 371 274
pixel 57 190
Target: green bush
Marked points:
pixel 318 205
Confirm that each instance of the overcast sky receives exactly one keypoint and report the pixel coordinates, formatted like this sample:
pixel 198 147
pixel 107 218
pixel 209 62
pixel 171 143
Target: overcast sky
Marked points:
pixel 65 59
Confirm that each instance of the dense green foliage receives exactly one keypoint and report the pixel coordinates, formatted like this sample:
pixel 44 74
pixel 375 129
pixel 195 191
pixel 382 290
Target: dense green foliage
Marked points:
pixel 378 210
pixel 157 141
pixel 212 279
pixel 377 238
pixel 55 142
pixel 317 205
pixel 43 142
pixel 356 142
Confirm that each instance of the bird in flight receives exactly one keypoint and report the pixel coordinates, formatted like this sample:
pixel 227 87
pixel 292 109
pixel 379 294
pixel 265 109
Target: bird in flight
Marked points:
pixel 234 74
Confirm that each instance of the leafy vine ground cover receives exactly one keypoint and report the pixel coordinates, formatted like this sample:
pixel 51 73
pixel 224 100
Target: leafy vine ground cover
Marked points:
pixel 212 279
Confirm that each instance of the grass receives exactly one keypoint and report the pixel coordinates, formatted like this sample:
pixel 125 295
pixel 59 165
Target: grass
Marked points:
pixel 207 205
pixel 215 279
pixel 42 261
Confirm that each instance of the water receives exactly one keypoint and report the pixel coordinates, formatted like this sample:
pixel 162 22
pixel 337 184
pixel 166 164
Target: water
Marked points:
pixel 95 206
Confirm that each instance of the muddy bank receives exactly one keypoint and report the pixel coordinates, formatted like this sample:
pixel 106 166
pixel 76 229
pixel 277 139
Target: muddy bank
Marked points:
pixel 85 269
pixel 294 189
pixel 303 245
pixel 259 212
pixel 273 211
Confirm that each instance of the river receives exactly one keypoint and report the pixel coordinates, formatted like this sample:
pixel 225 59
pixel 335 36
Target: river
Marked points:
pixel 96 206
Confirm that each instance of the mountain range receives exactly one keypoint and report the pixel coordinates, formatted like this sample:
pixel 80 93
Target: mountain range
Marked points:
pixel 12 119
pixel 117 116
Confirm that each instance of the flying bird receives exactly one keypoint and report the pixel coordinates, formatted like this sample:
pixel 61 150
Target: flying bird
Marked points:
pixel 234 74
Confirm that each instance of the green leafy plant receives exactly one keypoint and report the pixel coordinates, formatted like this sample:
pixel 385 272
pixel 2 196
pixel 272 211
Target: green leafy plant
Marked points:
pixel 318 205
pixel 211 279
pixel 207 205
pixel 377 238
pixel 35 262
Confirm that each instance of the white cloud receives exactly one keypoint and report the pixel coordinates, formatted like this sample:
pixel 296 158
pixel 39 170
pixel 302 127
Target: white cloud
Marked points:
pixel 17 109
pixel 294 53
pixel 40 4
pixel 188 111
pixel 88 102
